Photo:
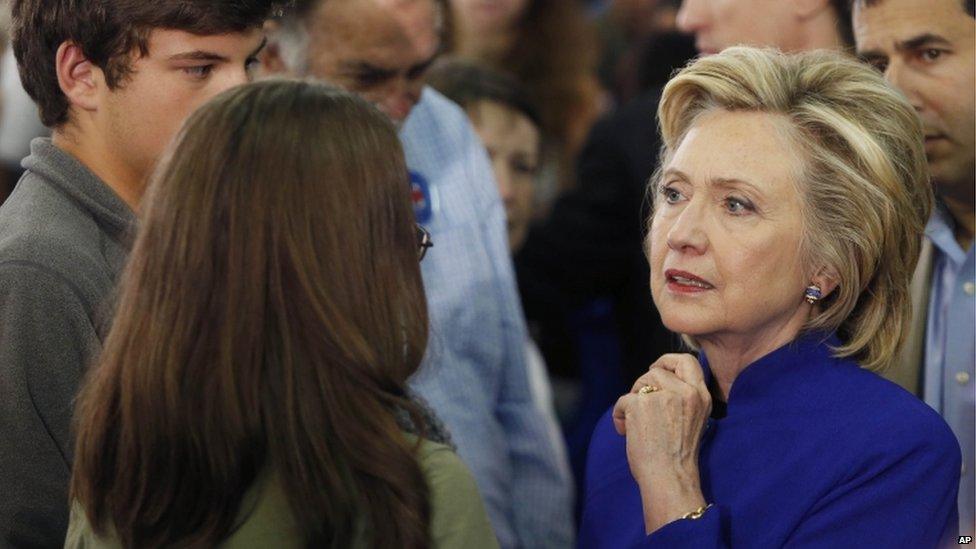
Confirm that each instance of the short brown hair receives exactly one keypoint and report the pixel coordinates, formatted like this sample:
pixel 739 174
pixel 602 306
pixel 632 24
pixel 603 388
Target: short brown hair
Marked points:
pixel 108 33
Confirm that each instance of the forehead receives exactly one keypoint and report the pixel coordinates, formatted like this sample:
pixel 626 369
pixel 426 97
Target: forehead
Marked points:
pixel 164 43
pixel 487 112
pixel 389 32
pixel 755 147
pixel 881 25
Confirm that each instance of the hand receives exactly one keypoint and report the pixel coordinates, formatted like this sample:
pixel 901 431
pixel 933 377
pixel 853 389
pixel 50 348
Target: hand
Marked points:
pixel 664 430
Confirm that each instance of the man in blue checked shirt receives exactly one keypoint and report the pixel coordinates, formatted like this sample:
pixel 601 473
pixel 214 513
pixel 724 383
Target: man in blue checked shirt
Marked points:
pixel 475 374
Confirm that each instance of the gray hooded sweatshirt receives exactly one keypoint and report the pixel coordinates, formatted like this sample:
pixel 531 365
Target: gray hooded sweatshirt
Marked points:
pixel 64 237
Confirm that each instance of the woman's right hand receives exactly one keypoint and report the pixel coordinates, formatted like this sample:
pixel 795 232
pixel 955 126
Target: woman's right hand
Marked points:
pixel 663 426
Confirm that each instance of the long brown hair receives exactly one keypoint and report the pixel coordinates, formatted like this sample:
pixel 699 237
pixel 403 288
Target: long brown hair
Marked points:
pixel 269 317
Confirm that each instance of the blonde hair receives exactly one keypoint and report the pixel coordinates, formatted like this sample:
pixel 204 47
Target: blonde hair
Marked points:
pixel 865 189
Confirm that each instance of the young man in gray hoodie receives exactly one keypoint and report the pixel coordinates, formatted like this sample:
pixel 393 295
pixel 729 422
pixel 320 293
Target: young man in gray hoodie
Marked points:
pixel 114 79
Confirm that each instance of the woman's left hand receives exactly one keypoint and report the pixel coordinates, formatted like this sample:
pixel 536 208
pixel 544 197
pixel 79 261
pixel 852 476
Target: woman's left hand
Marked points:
pixel 664 429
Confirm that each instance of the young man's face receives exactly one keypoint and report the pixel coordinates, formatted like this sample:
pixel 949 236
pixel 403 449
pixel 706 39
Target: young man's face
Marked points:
pixel 379 49
pixel 926 49
pixel 180 73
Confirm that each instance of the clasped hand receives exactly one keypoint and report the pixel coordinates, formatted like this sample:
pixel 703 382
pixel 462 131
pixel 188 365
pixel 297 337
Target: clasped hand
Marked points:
pixel 664 430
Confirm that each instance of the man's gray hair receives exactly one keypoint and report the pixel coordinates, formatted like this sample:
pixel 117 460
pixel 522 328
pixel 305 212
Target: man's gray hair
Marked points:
pixel 292 39
pixel 292 34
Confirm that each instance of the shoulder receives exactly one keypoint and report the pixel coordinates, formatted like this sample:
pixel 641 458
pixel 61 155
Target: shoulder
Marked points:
pixel 445 470
pixel 44 237
pixel 440 143
pixel 81 535
pixel 458 515
pixel 437 121
pixel 869 408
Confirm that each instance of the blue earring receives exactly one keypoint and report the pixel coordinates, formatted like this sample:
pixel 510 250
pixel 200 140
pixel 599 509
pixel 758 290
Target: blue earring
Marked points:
pixel 812 294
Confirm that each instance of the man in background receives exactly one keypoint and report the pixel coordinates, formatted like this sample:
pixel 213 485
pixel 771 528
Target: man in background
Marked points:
pixel 927 49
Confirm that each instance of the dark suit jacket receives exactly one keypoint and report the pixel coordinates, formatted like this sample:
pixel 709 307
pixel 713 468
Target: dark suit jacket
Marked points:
pixel 591 245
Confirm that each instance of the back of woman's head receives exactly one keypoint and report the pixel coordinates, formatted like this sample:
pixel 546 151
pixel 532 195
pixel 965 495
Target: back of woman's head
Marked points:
pixel 865 190
pixel 468 83
pixel 270 314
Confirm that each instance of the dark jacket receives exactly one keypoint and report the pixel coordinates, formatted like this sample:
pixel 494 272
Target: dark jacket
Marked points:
pixel 591 246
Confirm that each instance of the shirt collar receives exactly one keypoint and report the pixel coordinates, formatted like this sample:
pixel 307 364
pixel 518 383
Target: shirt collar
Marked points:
pixel 781 366
pixel 941 231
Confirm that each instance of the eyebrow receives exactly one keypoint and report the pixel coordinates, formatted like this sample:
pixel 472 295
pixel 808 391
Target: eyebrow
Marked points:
pixel 202 55
pixel 922 40
pixel 364 66
pixel 717 181
pixel 419 68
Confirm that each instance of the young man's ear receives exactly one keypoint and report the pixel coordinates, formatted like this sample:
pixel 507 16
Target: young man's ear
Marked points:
pixel 79 78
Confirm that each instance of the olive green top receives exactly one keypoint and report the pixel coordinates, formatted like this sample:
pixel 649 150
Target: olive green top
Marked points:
pixel 458 517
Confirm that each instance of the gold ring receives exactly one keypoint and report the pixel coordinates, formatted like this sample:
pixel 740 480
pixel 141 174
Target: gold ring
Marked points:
pixel 648 389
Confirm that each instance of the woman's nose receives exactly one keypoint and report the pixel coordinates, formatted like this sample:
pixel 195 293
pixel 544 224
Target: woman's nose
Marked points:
pixel 687 232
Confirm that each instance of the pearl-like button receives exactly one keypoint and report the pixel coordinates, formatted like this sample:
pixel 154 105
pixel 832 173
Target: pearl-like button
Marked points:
pixel 969 288
pixel 962 378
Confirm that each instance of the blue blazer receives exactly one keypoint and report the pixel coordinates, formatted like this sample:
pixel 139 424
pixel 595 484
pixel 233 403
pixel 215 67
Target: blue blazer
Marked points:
pixel 813 452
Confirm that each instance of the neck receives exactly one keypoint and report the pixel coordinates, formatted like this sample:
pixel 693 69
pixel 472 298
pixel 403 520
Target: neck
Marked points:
pixel 729 354
pixel 964 216
pixel 91 151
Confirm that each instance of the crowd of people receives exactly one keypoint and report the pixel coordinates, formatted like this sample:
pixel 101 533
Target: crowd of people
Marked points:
pixel 487 273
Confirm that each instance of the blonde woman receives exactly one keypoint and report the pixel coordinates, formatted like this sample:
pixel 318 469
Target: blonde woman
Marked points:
pixel 788 212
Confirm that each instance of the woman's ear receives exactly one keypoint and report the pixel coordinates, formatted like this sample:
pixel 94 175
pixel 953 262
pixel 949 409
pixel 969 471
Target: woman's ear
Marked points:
pixel 827 279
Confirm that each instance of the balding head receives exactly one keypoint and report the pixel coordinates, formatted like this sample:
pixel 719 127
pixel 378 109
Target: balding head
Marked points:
pixel 379 49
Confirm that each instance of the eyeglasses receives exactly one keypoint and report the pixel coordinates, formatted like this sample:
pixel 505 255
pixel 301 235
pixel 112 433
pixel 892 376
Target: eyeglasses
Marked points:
pixel 423 242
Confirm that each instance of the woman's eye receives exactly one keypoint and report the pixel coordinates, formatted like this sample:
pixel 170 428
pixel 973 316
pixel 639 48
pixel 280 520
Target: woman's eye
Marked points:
pixel 737 205
pixel 671 195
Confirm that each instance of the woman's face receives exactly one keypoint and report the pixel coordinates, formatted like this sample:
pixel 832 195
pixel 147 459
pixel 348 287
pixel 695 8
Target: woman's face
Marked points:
pixel 513 142
pixel 489 16
pixel 724 244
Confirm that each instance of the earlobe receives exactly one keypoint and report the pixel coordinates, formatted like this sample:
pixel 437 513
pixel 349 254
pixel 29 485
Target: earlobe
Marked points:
pixel 78 77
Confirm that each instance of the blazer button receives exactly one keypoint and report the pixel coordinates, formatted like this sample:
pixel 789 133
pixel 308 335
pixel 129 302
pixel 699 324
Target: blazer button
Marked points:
pixel 969 288
pixel 962 378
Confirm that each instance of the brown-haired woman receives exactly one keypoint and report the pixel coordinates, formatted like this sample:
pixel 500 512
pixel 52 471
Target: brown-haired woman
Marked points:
pixel 550 46
pixel 252 391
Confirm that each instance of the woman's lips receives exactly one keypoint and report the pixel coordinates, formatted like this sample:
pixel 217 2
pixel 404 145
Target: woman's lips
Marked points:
pixel 685 282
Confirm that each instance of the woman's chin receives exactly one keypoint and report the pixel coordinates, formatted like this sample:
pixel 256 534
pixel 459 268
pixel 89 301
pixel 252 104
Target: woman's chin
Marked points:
pixel 691 327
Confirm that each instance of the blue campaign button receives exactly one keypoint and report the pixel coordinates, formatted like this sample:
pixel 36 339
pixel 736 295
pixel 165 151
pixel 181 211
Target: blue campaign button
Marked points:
pixel 423 208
